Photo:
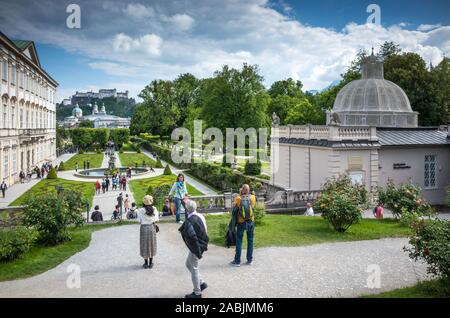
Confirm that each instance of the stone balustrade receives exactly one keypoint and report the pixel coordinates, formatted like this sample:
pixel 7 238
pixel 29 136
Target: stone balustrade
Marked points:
pixel 334 133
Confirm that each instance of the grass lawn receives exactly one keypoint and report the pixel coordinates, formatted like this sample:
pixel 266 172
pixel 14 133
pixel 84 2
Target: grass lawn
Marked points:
pixel 426 289
pixel 286 230
pixel 140 187
pixel 94 159
pixel 130 159
pixel 46 185
pixel 43 258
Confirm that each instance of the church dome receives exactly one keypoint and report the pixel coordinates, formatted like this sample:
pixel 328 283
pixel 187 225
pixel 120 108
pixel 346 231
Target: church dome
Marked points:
pixel 374 101
pixel 77 112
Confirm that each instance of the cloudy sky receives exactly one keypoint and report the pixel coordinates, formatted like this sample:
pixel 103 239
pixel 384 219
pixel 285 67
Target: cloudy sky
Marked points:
pixel 126 44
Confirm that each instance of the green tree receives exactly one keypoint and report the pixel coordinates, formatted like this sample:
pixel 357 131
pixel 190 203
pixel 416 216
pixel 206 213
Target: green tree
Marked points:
pixel 119 136
pixel 158 113
pixel 287 87
pixel 101 136
pixel 235 98
pixel 302 112
pixel 186 89
pixel 86 124
pixel 81 137
pixel 409 71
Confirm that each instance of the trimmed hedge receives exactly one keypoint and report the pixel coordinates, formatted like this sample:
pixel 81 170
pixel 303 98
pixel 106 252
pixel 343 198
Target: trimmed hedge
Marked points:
pixel 222 178
pixel 52 174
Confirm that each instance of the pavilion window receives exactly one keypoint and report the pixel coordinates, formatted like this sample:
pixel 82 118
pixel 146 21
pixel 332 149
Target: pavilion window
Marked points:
pixel 13 74
pixel 430 171
pixel 14 162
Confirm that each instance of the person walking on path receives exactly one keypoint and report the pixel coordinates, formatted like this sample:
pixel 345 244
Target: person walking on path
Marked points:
pixel 179 188
pixel 126 203
pixel 97 187
pixel 120 203
pixel 76 166
pixel 114 183
pixel 244 219
pixel 148 216
pixel 103 185
pixel 124 183
pixel 107 183
pixel 116 213
pixel 3 187
pixel 22 176
pixel 195 235
pixel 97 216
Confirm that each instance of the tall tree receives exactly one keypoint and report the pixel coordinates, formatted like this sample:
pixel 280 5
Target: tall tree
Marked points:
pixel 235 98
pixel 158 113
pixel 409 71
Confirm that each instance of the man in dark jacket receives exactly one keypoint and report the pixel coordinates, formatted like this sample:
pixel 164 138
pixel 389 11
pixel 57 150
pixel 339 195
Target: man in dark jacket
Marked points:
pixel 97 215
pixel 194 233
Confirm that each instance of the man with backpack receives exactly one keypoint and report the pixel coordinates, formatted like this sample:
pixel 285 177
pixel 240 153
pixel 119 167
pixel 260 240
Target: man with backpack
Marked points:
pixel 244 220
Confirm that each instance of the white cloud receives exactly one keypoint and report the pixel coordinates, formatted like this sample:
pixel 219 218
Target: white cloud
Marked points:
pixel 182 22
pixel 428 27
pixel 149 44
pixel 138 11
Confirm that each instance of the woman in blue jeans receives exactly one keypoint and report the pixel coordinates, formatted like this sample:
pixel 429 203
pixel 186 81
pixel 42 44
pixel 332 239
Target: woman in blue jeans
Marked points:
pixel 179 189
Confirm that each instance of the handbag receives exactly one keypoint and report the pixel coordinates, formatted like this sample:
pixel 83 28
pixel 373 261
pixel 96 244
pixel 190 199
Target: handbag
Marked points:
pixel 156 227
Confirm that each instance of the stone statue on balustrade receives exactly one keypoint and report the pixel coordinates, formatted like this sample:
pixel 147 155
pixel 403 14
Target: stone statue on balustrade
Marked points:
pixel 335 120
pixel 275 119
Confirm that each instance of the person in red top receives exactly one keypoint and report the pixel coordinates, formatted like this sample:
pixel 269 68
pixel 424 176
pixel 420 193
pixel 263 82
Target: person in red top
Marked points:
pixel 97 187
pixel 379 211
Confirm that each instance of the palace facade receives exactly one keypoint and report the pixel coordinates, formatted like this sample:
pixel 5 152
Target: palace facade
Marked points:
pixel 27 114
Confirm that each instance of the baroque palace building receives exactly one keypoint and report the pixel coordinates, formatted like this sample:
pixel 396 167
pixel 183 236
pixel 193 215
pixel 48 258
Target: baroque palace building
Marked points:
pixel 27 113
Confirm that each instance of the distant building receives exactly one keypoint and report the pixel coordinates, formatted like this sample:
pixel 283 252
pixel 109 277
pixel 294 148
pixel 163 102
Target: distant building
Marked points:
pixel 99 118
pixel 27 116
pixel 85 98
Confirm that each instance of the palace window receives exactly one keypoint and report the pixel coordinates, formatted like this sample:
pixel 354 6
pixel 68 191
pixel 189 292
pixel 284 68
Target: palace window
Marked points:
pixel 14 163
pixel 5 165
pixel 5 116
pixel 13 123
pixel 5 70
pixel 21 118
pixel 13 74
pixel 430 171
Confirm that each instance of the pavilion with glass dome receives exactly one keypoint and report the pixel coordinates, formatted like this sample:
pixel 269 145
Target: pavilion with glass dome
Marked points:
pixel 372 134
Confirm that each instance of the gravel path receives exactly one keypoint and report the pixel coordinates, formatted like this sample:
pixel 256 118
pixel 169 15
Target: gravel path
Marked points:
pixel 111 267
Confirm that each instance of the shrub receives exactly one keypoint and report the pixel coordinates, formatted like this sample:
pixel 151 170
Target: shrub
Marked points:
pixel 431 243
pixel 15 242
pixel 50 214
pixel 167 171
pixel 98 151
pixel 404 198
pixel 150 190
pixel 253 169
pixel 62 166
pixel 222 229
pixel 259 212
pixel 159 164
pixel 52 174
pixel 121 150
pixel 81 151
pixel 159 195
pixel 342 203
pixel 138 150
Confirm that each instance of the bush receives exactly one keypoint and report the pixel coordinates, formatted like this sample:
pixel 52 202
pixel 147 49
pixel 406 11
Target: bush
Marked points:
pixel 406 198
pixel 81 151
pixel 121 150
pixel 62 166
pixel 253 169
pixel 342 203
pixel 50 214
pixel 431 243
pixel 159 195
pixel 259 212
pixel 167 171
pixel 15 242
pixel 52 174
pixel 98 151
pixel 138 150
pixel 159 164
